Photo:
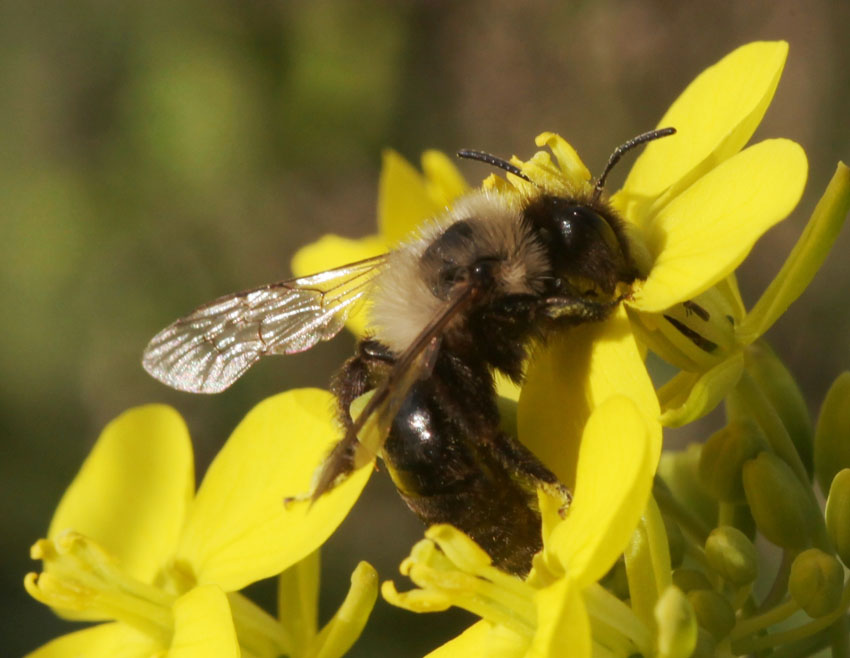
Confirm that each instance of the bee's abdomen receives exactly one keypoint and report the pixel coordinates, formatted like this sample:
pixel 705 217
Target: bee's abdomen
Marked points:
pixel 449 459
pixel 452 464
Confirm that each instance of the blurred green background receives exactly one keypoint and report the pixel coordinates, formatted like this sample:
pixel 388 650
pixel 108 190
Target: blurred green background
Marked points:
pixel 154 155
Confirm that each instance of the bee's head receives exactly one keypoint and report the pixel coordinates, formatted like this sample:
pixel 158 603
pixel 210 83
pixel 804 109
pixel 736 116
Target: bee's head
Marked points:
pixel 585 243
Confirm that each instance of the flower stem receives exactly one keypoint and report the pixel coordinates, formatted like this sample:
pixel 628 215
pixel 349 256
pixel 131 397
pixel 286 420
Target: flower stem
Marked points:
pixel 756 404
pixel 751 644
pixel 804 648
pixel 752 625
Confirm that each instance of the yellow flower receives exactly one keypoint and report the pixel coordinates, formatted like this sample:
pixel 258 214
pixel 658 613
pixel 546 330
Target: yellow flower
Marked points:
pixel 132 544
pixel 694 204
pixel 553 611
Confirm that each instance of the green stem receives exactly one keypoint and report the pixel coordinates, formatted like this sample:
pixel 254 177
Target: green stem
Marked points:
pixel 741 595
pixel 804 648
pixel 751 644
pixel 751 625
pixel 756 404
pixel 726 514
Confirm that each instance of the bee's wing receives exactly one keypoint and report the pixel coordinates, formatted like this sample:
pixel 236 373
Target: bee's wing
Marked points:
pixel 373 423
pixel 209 349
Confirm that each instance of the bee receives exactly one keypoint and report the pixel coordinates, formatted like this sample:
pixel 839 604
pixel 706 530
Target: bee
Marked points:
pixel 465 297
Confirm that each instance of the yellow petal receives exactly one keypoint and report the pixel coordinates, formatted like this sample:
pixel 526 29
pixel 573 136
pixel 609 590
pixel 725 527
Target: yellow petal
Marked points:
pixel 708 230
pixel 403 199
pixel 714 117
pixel 563 626
pixel 689 396
pixel 442 179
pixel 332 251
pixel 569 162
pixel 239 529
pixel 469 644
pixel 203 625
pixel 569 378
pixel 483 640
pixel 616 465
pixel 102 641
pixel 506 388
pixel 804 260
pixel 132 491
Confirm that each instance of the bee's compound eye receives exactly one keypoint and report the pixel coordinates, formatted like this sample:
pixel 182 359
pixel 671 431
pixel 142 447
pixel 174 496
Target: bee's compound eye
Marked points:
pixel 580 225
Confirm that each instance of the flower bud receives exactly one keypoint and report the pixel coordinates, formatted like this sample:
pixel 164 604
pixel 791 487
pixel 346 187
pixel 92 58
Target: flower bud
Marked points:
pixel 785 396
pixel 723 457
pixel 706 645
pixel 690 579
pixel 732 555
pixel 780 506
pixel 677 625
pixel 838 515
pixel 816 582
pixel 832 436
pixel 714 613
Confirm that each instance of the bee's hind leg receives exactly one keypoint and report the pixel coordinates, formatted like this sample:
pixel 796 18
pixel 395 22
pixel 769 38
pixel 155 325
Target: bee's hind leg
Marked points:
pixel 527 469
pixel 358 375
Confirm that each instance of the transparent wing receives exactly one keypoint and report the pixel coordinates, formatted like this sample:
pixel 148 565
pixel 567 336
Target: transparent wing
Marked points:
pixel 209 349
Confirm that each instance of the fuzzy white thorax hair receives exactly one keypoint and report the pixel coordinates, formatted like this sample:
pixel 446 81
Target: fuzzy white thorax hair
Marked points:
pixel 403 303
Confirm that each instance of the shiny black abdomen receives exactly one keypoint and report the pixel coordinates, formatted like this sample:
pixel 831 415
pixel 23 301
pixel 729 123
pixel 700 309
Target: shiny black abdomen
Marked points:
pixel 452 463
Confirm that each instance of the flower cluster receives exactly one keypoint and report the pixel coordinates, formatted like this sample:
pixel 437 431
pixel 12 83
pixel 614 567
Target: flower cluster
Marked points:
pixel 656 553
pixel 132 545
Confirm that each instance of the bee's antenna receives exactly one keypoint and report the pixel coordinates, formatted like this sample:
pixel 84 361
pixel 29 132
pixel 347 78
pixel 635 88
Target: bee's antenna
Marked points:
pixel 483 156
pixel 622 149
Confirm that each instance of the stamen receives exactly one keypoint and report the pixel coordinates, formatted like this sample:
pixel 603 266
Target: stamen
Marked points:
pixel 79 575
